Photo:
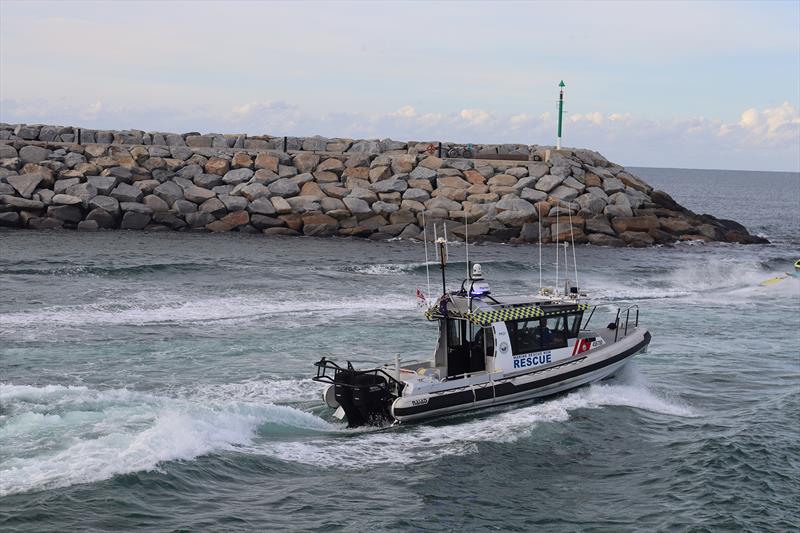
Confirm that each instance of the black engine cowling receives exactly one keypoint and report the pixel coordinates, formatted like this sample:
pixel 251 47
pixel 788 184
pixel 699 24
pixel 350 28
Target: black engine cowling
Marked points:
pixel 364 397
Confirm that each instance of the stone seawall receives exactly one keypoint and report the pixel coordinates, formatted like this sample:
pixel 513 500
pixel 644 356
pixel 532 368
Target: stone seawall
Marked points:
pixel 56 177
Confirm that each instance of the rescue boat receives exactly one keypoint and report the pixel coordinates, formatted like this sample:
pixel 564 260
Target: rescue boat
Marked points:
pixel 491 350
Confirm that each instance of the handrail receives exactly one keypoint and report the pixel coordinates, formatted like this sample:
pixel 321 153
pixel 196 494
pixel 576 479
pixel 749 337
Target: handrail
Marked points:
pixel 324 364
pixel 627 311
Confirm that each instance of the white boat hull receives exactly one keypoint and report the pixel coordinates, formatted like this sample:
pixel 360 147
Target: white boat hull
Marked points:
pixel 501 390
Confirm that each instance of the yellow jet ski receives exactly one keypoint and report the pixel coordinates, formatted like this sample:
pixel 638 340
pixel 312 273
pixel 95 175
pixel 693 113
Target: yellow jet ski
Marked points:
pixel 776 279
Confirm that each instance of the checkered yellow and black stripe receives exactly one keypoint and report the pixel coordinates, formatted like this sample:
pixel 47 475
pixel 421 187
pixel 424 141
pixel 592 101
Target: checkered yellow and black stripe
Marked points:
pixel 486 318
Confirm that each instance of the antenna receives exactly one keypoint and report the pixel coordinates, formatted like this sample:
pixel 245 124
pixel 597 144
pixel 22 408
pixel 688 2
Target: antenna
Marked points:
pixel 574 261
pixel 556 285
pixel 539 216
pixel 441 244
pixel 435 241
pixel 444 236
pixel 466 239
pixel 425 238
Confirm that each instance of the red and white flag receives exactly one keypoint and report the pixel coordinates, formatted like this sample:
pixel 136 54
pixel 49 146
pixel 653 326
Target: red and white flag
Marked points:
pixel 421 297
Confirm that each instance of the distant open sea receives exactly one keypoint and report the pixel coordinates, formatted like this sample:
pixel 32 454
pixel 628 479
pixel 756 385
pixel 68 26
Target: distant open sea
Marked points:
pixel 161 382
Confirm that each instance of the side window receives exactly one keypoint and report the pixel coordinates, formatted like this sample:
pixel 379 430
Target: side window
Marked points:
pixel 574 324
pixel 525 335
pixel 554 333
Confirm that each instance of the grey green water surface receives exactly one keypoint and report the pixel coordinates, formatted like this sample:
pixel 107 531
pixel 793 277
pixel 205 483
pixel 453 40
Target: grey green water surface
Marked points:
pixel 161 382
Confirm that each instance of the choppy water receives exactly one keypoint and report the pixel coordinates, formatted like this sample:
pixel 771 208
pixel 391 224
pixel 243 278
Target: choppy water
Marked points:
pixel 160 381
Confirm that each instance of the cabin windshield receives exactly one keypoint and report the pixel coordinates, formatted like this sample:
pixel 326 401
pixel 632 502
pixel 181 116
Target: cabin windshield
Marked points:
pixel 540 334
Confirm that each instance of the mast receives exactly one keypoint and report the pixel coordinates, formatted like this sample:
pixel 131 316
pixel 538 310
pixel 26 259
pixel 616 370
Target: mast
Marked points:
pixel 560 112
pixel 427 263
pixel 441 244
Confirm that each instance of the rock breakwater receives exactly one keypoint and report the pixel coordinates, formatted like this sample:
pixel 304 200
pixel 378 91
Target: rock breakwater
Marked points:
pixel 57 177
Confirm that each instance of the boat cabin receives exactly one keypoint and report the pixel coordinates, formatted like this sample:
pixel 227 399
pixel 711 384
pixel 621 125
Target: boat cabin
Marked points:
pixel 485 334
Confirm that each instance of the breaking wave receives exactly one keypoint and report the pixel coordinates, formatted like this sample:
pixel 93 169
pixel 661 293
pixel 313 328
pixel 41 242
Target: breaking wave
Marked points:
pixel 71 269
pixel 154 308
pixel 460 434
pixel 57 436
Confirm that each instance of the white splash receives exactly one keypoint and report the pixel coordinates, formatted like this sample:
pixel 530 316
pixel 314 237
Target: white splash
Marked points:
pixel 55 436
pixel 157 308
pixel 459 435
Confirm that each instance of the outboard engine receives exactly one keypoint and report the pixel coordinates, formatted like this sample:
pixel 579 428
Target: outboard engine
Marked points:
pixel 364 395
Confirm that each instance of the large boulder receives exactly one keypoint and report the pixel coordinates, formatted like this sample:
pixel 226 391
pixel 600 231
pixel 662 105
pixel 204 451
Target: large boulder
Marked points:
pixel 207 181
pixel 65 199
pixel 213 206
pixel 103 184
pixel 196 194
pixel 635 224
pixel 637 239
pixel 384 208
pixel 9 219
pixel 357 206
pixel 229 222
pixel 564 193
pixel 268 162
pixel 134 220
pixel 612 185
pixel 66 213
pixel 21 203
pixel 127 193
pixel 304 204
pixel 511 203
pixel 217 166
pixel 106 203
pixel 514 218
pixel 83 191
pixel 422 173
pixel 155 203
pixel 136 208
pixel 319 225
pixel 169 191
pixel 263 222
pixel 365 147
pixel 45 223
pixel 599 224
pixel 503 180
pixel 548 183
pixel 390 185
pixel 260 206
pixel 26 183
pixel 61 186
pixel 254 191
pixel 237 176
pixel 675 225
pixel 453 182
pixel 33 154
pixel 199 219
pixel 305 162
pixel 633 182
pixel 591 203
pixel 284 187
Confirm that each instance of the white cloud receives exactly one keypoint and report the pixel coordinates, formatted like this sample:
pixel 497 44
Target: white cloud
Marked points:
pixel 406 111
pixel 630 139
pixel 475 116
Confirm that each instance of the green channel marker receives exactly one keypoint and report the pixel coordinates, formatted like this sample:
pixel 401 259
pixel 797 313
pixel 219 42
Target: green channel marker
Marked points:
pixel 560 113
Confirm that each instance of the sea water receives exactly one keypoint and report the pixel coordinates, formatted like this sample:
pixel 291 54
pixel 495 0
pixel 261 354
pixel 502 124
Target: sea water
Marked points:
pixel 161 381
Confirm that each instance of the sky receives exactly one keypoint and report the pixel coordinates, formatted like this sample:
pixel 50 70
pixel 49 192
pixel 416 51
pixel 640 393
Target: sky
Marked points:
pixel 666 84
